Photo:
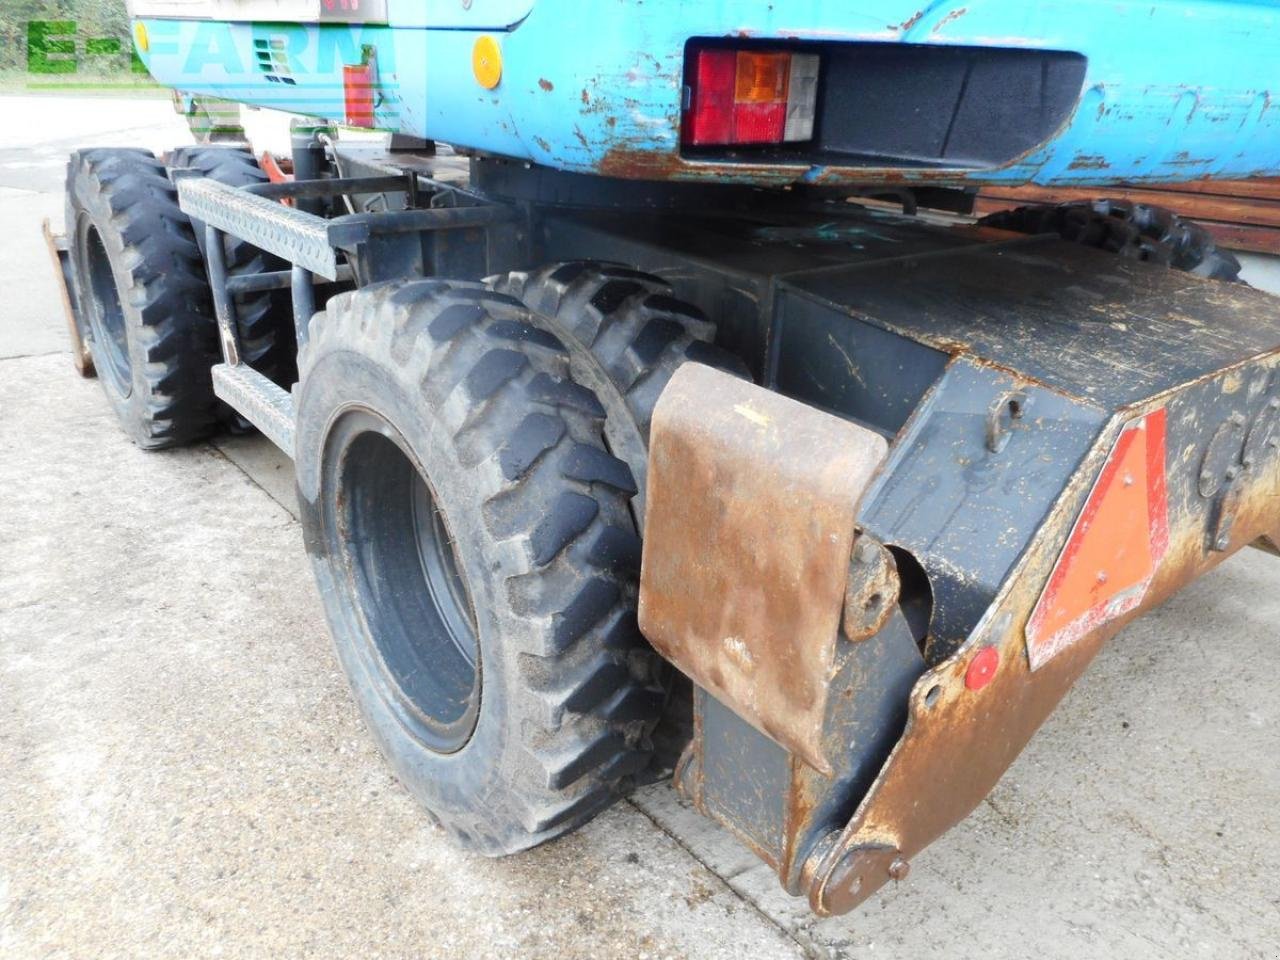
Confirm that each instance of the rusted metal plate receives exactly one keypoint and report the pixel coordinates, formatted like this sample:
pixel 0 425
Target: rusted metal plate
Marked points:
pixel 871 595
pixel 58 254
pixel 748 533
pixel 971 715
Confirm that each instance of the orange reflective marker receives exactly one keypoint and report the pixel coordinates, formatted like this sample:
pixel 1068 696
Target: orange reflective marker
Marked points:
pixel 486 62
pixel 1114 548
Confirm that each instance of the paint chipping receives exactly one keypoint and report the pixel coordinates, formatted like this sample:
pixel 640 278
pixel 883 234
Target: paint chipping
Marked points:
pixel 744 411
pixel 949 18
pixel 910 22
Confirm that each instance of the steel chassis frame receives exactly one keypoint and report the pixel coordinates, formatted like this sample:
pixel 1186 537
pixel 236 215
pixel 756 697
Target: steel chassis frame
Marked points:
pixel 1004 371
pixel 311 243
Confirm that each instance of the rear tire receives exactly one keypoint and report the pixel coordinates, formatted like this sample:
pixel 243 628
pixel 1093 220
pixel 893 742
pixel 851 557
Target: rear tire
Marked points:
pixel 428 397
pixel 264 318
pixel 637 333
pixel 1136 230
pixel 633 335
pixel 141 288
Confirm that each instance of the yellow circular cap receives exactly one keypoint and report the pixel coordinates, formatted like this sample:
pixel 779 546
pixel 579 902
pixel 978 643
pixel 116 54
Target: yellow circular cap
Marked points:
pixel 140 37
pixel 486 62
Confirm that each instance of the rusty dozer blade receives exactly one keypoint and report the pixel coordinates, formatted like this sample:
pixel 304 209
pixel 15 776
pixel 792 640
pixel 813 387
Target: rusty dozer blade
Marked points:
pixel 875 630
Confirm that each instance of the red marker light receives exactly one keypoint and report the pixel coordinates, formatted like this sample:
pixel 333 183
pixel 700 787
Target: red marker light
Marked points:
pixel 710 117
pixel 357 88
pixel 982 668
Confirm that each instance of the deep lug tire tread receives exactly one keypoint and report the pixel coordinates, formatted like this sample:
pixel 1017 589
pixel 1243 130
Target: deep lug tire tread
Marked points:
pixel 637 335
pixel 161 283
pixel 1136 230
pixel 264 319
pixel 632 323
pixel 579 694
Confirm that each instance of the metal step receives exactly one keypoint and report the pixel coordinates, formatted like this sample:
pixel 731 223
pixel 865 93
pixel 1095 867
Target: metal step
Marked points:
pixel 290 234
pixel 265 405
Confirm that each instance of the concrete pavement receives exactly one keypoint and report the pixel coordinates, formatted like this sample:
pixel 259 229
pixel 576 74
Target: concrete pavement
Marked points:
pixel 182 772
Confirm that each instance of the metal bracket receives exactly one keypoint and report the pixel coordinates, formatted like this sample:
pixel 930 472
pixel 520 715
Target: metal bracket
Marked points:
pixel 60 255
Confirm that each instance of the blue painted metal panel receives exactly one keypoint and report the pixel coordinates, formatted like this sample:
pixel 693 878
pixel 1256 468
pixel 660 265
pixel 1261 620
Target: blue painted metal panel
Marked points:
pixel 1174 89
pixel 445 14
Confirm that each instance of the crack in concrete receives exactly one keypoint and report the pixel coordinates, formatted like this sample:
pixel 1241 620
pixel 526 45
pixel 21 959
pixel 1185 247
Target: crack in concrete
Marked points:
pixel 29 356
pixel 223 455
pixel 810 950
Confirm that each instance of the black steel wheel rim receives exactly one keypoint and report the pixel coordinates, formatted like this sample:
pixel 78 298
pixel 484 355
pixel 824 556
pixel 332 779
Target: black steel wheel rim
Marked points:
pixel 406 582
pixel 106 315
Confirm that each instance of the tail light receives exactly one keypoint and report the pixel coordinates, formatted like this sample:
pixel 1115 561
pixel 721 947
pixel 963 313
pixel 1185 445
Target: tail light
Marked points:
pixel 358 82
pixel 750 97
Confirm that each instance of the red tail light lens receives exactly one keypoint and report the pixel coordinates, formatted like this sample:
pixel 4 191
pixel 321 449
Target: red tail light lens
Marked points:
pixel 357 90
pixel 750 97
pixel 710 115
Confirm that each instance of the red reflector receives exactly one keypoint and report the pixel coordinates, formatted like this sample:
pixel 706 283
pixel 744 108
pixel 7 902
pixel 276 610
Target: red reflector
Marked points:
pixel 1116 545
pixel 982 668
pixel 357 91
pixel 709 118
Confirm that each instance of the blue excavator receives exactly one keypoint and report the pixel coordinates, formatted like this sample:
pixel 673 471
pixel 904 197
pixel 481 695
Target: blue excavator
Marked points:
pixel 657 408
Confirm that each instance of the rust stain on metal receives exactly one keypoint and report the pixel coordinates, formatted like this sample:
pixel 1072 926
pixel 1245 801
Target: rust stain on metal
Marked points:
pixel 908 23
pixel 1089 161
pixel 57 247
pixel 806 789
pixel 958 742
pixel 950 17
pixel 634 164
pixel 547 85
pixel 749 530
pixel 871 594
pixel 1267 544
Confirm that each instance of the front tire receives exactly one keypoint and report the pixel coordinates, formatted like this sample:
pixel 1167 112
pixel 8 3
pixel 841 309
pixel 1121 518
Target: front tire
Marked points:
pixel 472 544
